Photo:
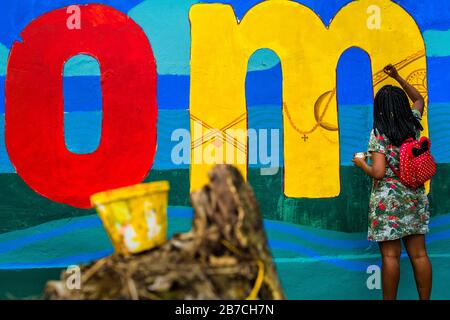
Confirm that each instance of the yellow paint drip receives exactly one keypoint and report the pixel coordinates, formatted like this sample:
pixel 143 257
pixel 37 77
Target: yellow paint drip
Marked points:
pixel 135 217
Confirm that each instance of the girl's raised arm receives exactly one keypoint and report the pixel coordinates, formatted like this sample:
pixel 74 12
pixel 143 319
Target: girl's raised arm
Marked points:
pixel 413 94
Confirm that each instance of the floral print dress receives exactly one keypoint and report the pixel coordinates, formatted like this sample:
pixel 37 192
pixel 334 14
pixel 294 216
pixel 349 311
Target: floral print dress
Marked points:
pixel 395 211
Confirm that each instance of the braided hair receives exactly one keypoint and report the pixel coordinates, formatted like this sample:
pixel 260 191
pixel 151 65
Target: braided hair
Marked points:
pixel 393 116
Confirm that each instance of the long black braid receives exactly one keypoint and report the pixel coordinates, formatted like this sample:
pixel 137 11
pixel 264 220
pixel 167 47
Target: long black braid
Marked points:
pixel 393 116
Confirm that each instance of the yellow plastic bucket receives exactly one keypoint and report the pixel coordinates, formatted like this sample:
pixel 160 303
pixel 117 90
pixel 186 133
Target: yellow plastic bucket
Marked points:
pixel 135 217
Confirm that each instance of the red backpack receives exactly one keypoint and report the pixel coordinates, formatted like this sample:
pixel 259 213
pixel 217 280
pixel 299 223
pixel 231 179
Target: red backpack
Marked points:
pixel 417 165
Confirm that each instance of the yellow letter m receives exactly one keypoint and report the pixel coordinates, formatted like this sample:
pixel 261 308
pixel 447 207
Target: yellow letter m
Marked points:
pixel 309 53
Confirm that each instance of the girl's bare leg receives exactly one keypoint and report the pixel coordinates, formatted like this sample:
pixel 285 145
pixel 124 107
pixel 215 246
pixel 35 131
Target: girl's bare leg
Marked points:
pixel 390 270
pixel 417 252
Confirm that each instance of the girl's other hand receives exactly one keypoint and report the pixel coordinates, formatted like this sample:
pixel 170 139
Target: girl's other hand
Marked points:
pixel 357 161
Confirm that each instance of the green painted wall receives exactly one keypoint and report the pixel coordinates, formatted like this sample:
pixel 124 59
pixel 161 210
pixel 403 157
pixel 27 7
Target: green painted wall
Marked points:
pixel 22 208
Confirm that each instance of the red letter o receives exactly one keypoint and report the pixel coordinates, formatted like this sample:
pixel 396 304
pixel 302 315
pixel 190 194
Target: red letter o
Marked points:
pixel 35 105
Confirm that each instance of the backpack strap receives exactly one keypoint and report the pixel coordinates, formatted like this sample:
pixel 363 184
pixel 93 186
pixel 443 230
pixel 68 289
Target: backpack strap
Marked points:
pixel 395 171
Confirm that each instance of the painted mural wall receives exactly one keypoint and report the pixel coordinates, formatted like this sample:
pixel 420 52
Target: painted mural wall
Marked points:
pixel 99 96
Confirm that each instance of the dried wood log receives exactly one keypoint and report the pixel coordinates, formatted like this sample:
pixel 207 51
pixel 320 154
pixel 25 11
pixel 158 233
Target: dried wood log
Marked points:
pixel 224 256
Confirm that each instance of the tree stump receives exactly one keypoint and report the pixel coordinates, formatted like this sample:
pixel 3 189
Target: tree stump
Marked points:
pixel 224 256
